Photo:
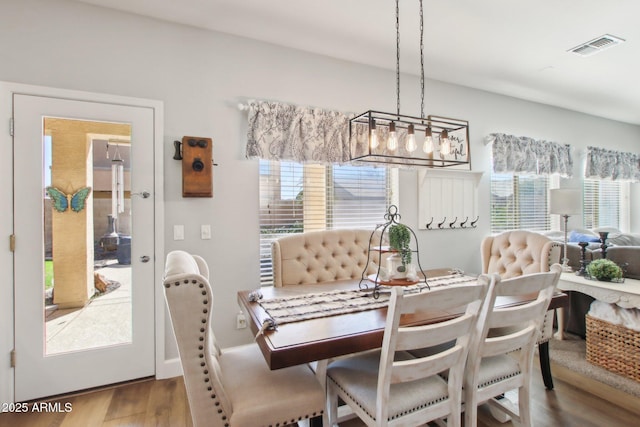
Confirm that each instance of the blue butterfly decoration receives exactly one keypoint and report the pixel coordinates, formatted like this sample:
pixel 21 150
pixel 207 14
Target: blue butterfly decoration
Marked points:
pixel 62 201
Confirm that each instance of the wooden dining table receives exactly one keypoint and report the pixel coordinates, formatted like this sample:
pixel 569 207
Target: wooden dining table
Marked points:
pixel 323 338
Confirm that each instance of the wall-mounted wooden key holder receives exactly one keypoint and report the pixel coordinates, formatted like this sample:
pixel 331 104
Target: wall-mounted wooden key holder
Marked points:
pixel 197 165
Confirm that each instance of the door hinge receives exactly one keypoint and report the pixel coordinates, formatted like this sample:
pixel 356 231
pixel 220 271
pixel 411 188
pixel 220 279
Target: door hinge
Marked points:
pixel 13 358
pixel 11 126
pixel 12 243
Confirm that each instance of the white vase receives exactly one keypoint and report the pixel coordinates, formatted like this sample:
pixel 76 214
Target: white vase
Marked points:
pixel 395 267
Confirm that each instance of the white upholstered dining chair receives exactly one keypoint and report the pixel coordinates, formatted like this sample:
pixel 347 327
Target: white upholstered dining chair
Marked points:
pixel 516 253
pixel 391 387
pixel 501 355
pixel 232 387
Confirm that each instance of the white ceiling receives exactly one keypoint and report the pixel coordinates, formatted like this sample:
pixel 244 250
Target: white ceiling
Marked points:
pixel 512 47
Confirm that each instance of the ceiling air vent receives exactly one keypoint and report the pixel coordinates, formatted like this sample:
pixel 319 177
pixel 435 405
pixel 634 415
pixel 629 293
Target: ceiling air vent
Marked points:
pixel 596 45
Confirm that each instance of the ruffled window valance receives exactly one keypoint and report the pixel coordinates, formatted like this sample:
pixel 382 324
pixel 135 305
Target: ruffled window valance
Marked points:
pixel 609 164
pixel 290 132
pixel 519 154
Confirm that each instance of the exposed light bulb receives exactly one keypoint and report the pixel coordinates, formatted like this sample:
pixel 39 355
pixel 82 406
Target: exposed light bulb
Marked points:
pixel 373 135
pixel 393 137
pixel 411 140
pixel 445 144
pixel 428 141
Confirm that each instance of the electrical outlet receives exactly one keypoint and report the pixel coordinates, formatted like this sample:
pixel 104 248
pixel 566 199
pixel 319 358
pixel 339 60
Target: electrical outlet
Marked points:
pixel 241 321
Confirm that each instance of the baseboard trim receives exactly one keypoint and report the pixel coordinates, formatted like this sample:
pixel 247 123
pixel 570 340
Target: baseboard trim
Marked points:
pixel 601 390
pixel 168 369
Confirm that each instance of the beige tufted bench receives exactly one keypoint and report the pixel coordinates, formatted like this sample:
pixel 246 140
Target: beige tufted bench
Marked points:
pixel 516 253
pixel 320 256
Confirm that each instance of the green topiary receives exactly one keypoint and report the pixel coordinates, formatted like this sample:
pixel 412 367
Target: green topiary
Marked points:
pixel 604 269
pixel 399 239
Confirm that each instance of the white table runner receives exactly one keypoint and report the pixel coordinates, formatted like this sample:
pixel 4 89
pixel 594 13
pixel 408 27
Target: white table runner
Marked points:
pixel 304 307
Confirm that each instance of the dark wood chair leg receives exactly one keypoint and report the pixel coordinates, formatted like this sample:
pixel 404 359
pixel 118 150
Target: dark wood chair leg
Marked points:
pixel 545 367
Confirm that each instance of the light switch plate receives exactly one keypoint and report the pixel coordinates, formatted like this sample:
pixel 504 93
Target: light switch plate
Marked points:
pixel 178 232
pixel 205 232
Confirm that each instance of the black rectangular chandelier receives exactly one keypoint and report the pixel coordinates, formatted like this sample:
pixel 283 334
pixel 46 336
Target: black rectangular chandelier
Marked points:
pixel 379 137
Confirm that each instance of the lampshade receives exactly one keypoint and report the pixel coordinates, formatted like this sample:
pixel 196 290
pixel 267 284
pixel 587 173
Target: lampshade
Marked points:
pixel 565 201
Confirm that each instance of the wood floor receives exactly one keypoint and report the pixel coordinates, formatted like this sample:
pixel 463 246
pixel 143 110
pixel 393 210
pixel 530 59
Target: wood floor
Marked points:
pixel 575 402
pixel 142 403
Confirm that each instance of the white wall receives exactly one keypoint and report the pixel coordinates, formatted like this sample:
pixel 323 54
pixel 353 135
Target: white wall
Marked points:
pixel 201 76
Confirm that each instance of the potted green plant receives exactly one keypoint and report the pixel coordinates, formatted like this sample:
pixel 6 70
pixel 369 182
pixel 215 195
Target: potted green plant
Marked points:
pixel 399 240
pixel 604 270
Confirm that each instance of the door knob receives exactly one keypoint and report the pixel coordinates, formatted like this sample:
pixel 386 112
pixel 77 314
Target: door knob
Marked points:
pixel 144 258
pixel 144 194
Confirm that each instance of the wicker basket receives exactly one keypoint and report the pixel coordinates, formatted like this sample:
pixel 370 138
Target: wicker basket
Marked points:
pixel 613 347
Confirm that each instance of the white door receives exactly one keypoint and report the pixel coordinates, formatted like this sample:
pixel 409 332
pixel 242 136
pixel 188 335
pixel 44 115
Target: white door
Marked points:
pixel 83 200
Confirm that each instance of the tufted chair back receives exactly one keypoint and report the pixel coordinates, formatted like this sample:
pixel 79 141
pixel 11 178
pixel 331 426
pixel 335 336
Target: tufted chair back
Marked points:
pixel 189 298
pixel 518 252
pixel 320 256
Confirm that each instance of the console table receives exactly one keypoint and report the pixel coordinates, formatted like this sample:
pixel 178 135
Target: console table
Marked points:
pixel 625 295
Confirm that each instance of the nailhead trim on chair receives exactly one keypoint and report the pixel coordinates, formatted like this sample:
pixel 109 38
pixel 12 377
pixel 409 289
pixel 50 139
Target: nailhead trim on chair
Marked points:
pixel 201 338
pixel 499 379
pixel 401 414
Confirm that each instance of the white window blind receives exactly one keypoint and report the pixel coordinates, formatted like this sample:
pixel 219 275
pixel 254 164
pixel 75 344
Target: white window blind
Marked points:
pixel 298 197
pixel 519 202
pixel 602 203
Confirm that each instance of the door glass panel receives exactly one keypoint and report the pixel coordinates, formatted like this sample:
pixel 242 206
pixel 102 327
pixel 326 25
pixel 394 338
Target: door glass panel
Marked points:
pixel 87 233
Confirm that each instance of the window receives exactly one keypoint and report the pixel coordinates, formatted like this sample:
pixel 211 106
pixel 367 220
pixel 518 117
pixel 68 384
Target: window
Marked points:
pixel 605 204
pixel 298 197
pixel 519 202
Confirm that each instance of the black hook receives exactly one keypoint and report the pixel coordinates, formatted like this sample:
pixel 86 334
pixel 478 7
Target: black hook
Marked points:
pixel 178 154
pixel 474 222
pixel 429 224
pixel 443 221
pixel 463 224
pixel 452 224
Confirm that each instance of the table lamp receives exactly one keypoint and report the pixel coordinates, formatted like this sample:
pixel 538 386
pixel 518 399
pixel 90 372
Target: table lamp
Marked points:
pixel 565 202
